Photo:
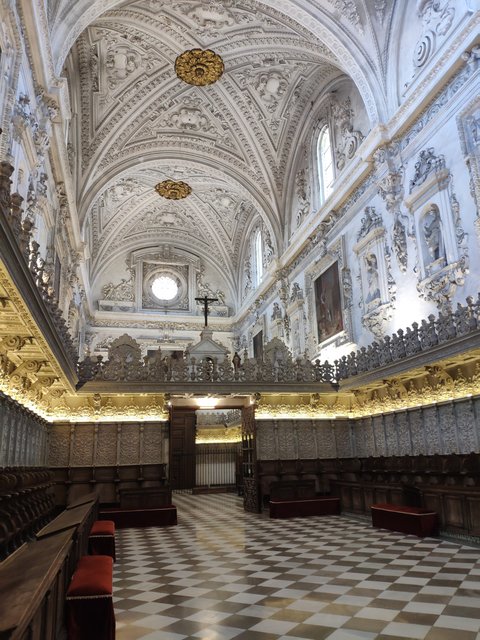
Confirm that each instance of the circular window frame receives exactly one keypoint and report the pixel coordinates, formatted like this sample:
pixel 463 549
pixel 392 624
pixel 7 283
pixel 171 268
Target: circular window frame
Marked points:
pixel 169 279
pixel 168 273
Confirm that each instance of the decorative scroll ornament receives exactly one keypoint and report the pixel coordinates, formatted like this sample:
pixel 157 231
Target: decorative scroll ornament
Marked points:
pixel 173 190
pixel 199 67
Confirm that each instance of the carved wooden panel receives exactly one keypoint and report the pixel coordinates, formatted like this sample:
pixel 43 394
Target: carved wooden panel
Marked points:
pixel 106 453
pixel 403 432
pixel 153 439
pixel 306 440
pixel 432 430
pixel 465 424
pixel 446 419
pixel 286 440
pixel 379 435
pixel 391 437
pixel 416 431
pixel 82 454
pixel 343 439
pixel 266 441
pixel 325 437
pixel 59 446
pixel 129 444
pixel 360 429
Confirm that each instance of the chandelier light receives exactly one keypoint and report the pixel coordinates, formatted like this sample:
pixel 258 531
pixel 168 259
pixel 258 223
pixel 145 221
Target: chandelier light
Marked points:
pixel 173 190
pixel 199 67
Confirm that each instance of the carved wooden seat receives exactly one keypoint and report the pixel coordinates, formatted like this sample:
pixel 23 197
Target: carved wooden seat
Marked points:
pixel 26 504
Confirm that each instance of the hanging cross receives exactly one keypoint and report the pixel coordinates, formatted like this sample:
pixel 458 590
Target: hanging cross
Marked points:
pixel 205 300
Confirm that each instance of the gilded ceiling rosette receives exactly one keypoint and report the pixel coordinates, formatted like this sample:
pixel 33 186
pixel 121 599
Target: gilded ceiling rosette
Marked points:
pixel 199 67
pixel 173 190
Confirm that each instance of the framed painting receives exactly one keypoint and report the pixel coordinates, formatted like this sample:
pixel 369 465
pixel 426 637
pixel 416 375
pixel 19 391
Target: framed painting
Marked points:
pixel 328 304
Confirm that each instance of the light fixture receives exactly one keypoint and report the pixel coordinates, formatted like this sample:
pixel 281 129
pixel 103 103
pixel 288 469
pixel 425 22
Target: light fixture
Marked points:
pixel 206 403
pixel 199 67
pixel 173 190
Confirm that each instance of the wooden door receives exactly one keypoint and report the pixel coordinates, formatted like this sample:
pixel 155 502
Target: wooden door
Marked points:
pixel 182 448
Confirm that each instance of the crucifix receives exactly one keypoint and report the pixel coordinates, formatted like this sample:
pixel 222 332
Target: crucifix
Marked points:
pixel 205 300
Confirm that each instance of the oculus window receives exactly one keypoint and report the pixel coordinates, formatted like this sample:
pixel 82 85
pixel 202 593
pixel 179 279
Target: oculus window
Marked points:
pixel 164 288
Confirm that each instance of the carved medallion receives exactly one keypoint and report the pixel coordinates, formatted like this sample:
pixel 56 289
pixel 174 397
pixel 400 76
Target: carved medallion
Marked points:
pixel 173 190
pixel 199 67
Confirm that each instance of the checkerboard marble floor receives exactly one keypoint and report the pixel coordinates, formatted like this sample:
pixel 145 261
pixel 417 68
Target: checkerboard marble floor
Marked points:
pixel 223 573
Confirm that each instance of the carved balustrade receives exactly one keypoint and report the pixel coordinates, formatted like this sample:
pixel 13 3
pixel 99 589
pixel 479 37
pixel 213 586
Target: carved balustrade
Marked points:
pixel 419 338
pixel 11 209
pixel 171 370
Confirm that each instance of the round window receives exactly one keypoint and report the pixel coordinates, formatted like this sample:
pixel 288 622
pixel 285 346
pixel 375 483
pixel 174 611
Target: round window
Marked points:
pixel 164 288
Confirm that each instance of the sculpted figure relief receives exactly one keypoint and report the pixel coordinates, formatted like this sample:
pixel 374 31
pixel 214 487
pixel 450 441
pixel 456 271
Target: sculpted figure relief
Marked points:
pixel 432 233
pixel 373 293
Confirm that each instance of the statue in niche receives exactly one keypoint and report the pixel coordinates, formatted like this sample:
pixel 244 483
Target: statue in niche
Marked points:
pixel 373 293
pixel 236 361
pixel 276 312
pixel 432 233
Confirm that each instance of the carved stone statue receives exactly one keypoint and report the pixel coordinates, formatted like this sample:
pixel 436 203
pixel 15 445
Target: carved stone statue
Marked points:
pixel 432 233
pixel 296 293
pixel 373 293
pixel 276 312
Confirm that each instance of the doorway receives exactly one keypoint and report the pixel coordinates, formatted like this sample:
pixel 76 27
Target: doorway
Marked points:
pixel 206 449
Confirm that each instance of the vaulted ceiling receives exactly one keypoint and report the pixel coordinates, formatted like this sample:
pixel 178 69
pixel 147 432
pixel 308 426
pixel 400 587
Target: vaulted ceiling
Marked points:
pixel 135 123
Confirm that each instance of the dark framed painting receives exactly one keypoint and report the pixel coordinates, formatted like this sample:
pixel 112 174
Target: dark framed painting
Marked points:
pixel 328 304
pixel 258 346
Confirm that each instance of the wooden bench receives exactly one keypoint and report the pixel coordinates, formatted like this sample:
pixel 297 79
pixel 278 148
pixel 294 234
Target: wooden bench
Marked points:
pixel 411 520
pixel 90 611
pixel 302 508
pixel 34 579
pixel 32 588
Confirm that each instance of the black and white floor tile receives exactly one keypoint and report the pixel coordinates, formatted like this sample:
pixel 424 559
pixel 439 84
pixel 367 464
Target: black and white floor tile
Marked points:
pixel 222 573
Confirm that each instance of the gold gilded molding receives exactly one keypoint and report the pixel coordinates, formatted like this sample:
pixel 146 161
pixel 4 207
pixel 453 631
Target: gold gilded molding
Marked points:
pixel 108 408
pixel 173 190
pixel 434 388
pixel 218 436
pixel 199 67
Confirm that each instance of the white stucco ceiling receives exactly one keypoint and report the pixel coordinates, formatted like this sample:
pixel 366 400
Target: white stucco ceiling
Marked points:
pixel 135 123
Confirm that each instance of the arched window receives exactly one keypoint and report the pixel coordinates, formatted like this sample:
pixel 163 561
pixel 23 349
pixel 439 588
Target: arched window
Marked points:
pixel 325 163
pixel 258 257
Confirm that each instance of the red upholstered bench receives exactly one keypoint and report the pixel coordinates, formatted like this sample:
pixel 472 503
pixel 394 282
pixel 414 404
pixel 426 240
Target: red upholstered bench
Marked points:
pixel 411 520
pixel 101 541
pixel 90 614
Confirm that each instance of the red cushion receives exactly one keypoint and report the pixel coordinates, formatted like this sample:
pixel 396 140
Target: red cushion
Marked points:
pixel 103 528
pixel 93 577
